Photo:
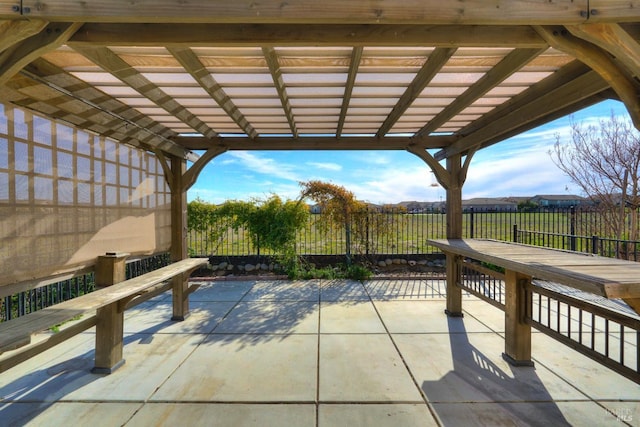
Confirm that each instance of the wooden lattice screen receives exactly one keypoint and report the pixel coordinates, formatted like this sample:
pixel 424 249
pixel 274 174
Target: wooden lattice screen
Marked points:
pixel 67 196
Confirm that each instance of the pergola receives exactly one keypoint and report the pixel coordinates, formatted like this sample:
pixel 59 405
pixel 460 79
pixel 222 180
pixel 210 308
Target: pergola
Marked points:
pixel 440 79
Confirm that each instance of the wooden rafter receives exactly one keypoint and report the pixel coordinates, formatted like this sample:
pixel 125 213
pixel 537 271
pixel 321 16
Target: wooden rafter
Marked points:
pixel 198 71
pixel 437 59
pixel 276 73
pixel 600 61
pixel 356 57
pixel 99 112
pixel 613 39
pixel 509 65
pixel 552 115
pixel 16 57
pixel 113 64
pixel 498 124
pixel 197 35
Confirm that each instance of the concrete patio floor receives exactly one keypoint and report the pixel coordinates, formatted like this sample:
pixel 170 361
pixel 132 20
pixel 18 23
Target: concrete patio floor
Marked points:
pixel 316 353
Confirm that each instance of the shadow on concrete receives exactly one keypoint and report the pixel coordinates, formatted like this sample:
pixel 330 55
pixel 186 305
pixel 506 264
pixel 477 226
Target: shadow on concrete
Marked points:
pixel 518 397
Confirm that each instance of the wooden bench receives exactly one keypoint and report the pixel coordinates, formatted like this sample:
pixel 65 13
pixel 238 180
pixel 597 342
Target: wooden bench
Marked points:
pixel 103 308
pixel 607 277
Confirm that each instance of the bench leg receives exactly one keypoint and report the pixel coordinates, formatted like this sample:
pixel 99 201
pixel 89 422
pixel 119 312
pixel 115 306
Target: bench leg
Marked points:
pixel 517 332
pixel 454 292
pixel 109 339
pixel 180 286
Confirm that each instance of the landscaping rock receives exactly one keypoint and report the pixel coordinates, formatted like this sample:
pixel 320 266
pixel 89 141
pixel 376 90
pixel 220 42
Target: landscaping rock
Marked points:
pixel 249 267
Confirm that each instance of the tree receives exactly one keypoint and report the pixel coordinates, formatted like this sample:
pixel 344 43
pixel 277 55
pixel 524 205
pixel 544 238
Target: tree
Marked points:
pixel 271 224
pixel 340 207
pixel 604 161
pixel 337 204
pixel 209 220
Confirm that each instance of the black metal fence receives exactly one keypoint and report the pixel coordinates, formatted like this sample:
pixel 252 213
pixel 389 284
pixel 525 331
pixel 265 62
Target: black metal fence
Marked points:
pixel 579 229
pixel 607 331
pixel 36 299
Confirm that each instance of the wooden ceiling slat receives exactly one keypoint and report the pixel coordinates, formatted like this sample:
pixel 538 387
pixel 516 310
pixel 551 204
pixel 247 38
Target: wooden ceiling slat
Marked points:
pixel 196 69
pixel 276 72
pixel 509 65
pixel 581 87
pixel 17 56
pixel 99 112
pixel 113 64
pixel 356 57
pixel 434 64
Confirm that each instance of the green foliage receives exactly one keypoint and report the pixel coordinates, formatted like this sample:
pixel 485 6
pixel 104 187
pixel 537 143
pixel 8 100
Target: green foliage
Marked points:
pixel 272 224
pixel 527 206
pixel 340 208
pixel 492 267
pixel 301 270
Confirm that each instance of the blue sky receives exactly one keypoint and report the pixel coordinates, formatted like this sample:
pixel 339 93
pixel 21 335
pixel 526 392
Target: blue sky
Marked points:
pixel 519 166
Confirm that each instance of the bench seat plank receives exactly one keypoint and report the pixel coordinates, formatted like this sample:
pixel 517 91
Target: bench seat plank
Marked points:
pixel 17 332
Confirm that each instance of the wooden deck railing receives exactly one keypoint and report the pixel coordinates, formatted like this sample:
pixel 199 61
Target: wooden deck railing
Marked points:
pixel 603 330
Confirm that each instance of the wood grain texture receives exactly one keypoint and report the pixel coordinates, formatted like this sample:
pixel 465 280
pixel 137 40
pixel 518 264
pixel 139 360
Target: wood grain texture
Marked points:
pixel 611 278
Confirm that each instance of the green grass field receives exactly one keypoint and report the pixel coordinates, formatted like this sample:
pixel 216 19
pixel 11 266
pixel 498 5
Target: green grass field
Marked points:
pixel 408 234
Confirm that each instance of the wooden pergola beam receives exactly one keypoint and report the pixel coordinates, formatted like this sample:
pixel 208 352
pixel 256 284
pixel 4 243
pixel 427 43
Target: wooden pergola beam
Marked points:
pixel 99 112
pixel 276 73
pixel 329 11
pixel 437 59
pixel 113 64
pixel 516 115
pixel 620 81
pixel 18 55
pixel 12 32
pixel 613 39
pixel 509 65
pixel 284 35
pixel 314 143
pixel 356 57
pixel 199 72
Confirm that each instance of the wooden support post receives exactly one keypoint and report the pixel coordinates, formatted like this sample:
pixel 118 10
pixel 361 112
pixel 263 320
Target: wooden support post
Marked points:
pixel 454 231
pixel 454 292
pixel 179 237
pixel 517 332
pixel 110 269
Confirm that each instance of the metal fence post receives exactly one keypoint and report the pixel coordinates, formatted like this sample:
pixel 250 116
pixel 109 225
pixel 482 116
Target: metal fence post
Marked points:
pixel 594 245
pixel 572 239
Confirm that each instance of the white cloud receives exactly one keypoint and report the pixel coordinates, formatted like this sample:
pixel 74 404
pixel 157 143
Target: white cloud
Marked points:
pixel 266 165
pixel 326 166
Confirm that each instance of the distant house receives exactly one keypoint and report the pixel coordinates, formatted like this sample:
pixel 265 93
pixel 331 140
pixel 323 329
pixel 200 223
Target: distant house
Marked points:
pixel 488 204
pixel 558 201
